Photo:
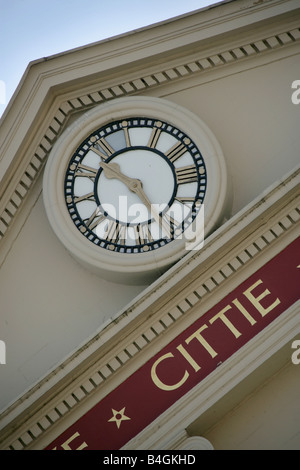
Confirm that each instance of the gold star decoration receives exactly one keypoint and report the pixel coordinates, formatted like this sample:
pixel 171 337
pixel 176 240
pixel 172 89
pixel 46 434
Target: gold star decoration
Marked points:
pixel 118 417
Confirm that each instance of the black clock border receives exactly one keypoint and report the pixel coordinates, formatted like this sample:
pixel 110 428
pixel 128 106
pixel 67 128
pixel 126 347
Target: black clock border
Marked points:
pixel 116 126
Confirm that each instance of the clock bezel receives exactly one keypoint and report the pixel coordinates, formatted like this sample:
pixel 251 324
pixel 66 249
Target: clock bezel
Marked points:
pixel 125 267
pixel 108 130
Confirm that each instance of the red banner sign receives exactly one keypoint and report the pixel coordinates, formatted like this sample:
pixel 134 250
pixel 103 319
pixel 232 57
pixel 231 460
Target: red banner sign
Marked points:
pixel 188 359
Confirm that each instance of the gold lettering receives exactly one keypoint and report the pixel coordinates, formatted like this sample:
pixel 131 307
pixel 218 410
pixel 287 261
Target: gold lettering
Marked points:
pixel 158 382
pixel 66 446
pixel 256 300
pixel 202 341
pixel 242 309
pixel 188 357
pixel 221 316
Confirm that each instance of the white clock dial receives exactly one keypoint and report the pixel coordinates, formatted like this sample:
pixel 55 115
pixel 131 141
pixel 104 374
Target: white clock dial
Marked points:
pixel 135 185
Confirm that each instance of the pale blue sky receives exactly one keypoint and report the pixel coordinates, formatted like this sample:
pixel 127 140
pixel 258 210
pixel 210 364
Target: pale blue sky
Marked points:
pixel 32 29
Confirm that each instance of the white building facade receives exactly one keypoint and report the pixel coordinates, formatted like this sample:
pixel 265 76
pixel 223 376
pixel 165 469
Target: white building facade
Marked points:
pixel 150 343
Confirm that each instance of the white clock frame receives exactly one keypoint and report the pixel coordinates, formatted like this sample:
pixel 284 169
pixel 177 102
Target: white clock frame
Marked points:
pixel 124 267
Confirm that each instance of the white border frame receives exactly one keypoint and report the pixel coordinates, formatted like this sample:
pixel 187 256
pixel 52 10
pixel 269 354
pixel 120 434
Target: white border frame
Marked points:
pixel 122 267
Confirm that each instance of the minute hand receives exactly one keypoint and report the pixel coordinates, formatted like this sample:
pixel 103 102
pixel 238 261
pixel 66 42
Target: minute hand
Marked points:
pixel 161 222
pixel 112 170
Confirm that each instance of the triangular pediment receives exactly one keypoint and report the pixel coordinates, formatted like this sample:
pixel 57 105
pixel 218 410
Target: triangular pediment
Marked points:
pixel 55 90
pixel 220 63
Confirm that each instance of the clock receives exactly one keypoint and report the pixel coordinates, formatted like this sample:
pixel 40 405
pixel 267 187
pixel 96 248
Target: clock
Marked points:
pixel 133 185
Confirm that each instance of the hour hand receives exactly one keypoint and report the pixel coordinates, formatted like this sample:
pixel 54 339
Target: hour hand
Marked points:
pixel 158 218
pixel 112 170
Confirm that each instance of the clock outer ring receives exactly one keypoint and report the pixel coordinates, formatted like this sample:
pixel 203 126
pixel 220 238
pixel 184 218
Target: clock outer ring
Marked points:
pixel 123 267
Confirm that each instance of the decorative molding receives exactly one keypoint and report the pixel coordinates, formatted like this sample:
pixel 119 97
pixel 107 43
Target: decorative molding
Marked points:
pixel 195 443
pixel 251 243
pixel 183 441
pixel 18 191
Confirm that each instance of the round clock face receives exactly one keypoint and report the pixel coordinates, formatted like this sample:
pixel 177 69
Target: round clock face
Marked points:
pixel 135 185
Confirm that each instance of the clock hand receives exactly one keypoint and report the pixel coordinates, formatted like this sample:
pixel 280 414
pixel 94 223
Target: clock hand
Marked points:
pixel 138 189
pixel 112 170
